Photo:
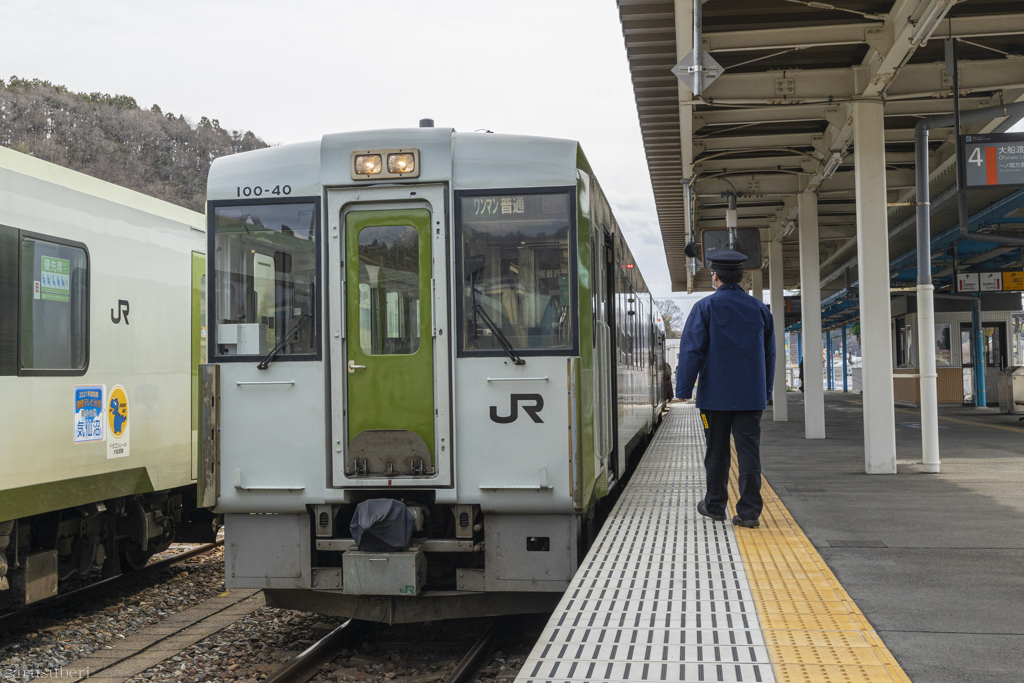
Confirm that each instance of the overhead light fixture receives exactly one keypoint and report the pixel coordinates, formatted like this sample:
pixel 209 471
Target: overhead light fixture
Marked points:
pixel 833 163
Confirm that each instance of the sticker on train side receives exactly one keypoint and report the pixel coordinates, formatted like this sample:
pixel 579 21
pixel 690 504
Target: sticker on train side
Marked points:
pixel 117 422
pixel 90 417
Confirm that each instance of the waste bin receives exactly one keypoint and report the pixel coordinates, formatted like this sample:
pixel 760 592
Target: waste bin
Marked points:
pixel 1011 390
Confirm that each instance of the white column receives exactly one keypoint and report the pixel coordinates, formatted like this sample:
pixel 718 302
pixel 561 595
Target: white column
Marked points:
pixel 929 389
pixel 757 285
pixel 873 278
pixel 810 316
pixel 780 409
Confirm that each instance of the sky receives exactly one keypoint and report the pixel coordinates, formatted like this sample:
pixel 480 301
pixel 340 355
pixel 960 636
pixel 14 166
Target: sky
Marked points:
pixel 293 71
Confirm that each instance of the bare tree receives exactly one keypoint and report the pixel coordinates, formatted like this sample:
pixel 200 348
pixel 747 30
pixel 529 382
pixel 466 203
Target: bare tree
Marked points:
pixel 672 315
pixel 110 137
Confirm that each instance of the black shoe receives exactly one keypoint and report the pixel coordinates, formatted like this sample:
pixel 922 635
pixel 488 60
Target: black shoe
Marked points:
pixel 702 509
pixel 749 523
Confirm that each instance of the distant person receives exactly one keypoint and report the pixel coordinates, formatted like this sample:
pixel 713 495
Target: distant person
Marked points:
pixel 729 343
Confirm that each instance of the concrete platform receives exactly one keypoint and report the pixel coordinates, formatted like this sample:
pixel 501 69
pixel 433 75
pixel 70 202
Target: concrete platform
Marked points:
pixel 665 594
pixel 934 561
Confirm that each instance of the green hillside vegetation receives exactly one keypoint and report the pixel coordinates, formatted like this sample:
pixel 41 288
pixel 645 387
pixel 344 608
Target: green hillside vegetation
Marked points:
pixel 110 137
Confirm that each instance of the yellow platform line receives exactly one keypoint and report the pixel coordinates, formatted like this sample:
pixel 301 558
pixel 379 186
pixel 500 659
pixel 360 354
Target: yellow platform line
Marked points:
pixel 813 629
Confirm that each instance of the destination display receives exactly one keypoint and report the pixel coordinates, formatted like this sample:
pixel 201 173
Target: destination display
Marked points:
pixel 995 160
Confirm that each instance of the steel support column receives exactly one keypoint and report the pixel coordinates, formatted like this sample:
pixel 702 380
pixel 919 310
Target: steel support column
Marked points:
pixel 780 407
pixel 873 276
pixel 828 354
pixel 978 331
pixel 757 285
pixel 810 316
pixel 846 385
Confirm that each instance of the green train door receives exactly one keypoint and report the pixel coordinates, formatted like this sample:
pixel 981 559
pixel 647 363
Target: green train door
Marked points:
pixel 390 364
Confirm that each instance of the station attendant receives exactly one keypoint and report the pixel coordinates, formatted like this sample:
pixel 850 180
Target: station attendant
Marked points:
pixel 728 342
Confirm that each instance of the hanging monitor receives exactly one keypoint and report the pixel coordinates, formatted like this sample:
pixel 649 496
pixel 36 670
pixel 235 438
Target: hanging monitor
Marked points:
pixel 748 243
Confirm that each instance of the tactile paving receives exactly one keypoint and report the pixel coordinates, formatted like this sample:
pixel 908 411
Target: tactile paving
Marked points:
pixel 668 595
pixel 812 628
pixel 663 594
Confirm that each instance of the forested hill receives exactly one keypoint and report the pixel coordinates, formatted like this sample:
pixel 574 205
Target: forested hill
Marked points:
pixel 110 137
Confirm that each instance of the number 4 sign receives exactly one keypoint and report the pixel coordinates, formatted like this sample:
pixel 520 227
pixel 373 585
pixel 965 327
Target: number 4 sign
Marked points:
pixel 993 160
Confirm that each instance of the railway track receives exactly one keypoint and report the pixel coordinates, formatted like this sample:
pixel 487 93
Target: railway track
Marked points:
pixel 17 617
pixel 306 665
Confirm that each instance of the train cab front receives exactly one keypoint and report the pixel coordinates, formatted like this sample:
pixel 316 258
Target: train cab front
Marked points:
pixel 346 313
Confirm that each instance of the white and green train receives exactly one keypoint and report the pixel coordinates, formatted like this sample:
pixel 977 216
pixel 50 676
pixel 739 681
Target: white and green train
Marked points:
pixel 100 341
pixel 451 321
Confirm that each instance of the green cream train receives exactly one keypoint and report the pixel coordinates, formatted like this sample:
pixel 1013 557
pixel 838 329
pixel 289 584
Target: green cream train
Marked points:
pixel 100 344
pixel 431 358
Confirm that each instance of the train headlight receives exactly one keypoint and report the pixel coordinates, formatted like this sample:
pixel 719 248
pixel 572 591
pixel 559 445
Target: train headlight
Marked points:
pixel 401 163
pixel 368 164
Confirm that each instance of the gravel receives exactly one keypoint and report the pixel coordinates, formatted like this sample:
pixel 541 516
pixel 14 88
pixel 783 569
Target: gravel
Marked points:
pixel 258 644
pixel 49 642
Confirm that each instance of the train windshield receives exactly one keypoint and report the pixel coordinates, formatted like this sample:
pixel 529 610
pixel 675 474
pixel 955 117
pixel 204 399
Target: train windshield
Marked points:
pixel 516 251
pixel 265 279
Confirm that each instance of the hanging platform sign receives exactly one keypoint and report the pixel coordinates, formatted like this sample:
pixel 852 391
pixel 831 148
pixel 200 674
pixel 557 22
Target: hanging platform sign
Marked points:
pixel 995 160
pixel 991 282
pixel 1013 280
pixel 967 282
pixel 981 282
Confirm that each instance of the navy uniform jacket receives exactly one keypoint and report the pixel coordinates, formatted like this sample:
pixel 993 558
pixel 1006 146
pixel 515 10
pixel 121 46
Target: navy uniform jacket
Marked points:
pixel 729 341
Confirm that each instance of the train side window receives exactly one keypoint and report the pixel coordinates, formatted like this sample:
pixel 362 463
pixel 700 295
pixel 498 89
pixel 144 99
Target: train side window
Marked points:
pixel 265 279
pixel 53 325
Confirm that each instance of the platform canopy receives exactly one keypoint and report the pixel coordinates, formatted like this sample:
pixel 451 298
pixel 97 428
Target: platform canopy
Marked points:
pixel 778 120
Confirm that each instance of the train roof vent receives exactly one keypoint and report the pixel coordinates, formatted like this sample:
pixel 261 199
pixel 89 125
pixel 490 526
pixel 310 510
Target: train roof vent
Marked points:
pixel 426 123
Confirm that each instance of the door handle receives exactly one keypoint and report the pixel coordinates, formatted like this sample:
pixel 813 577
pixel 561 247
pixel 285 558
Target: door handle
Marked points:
pixel 352 367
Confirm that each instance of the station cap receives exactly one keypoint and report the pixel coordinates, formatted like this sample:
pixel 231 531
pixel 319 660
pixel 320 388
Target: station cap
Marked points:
pixel 726 259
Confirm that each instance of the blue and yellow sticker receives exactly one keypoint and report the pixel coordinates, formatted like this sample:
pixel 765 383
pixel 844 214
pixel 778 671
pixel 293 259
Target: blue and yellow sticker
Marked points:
pixel 118 411
pixel 117 422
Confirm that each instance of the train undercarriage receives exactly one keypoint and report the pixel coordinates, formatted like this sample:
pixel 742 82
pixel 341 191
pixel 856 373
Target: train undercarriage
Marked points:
pixel 103 539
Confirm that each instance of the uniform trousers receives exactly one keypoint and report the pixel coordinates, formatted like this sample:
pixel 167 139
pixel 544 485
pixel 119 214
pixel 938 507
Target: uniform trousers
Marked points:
pixel 745 427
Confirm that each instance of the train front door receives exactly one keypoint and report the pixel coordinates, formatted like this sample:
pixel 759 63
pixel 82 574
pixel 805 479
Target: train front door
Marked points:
pixel 389 357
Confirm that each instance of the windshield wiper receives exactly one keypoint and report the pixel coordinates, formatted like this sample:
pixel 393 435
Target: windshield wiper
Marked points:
pixel 499 336
pixel 265 363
